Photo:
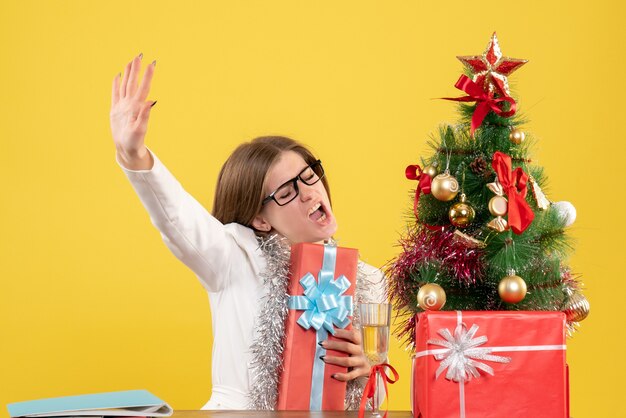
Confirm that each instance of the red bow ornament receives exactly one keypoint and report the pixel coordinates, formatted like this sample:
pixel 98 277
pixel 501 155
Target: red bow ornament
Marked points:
pixel 423 186
pixel 485 100
pixel 514 184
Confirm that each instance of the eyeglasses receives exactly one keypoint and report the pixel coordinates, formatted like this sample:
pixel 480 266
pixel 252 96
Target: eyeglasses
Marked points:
pixel 289 189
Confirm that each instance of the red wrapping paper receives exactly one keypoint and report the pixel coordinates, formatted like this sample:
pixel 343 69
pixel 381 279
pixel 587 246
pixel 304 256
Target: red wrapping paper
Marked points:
pixel 294 387
pixel 532 384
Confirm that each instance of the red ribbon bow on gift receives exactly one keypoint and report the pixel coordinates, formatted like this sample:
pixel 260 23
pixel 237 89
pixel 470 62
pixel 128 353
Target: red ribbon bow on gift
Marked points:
pixel 485 100
pixel 514 185
pixel 370 388
pixel 424 179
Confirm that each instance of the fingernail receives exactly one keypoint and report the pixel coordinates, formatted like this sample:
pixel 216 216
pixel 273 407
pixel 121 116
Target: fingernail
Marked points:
pixel 334 376
pixel 321 343
pixel 141 55
pixel 322 358
pixel 154 63
pixel 153 103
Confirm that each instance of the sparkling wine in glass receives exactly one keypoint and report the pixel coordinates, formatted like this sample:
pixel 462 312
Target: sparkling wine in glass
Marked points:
pixel 375 343
pixel 375 319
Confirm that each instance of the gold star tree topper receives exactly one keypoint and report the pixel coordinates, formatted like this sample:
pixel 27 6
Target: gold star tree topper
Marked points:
pixel 492 65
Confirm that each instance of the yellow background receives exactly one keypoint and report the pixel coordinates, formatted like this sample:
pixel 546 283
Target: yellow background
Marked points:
pixel 91 300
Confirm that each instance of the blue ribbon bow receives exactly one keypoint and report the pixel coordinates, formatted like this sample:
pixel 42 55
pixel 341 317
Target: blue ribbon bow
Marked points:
pixel 324 305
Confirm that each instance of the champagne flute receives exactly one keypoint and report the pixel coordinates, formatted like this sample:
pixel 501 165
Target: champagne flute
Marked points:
pixel 375 318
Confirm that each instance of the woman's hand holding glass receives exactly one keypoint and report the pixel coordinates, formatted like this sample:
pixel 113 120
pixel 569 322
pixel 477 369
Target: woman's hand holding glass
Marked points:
pixel 130 113
pixel 356 362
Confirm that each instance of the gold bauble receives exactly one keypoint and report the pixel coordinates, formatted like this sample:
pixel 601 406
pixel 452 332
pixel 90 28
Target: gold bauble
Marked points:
pixel 498 206
pixel 512 289
pixel 431 170
pixel 444 187
pixel 577 307
pixel 431 297
pixel 517 136
pixel 461 214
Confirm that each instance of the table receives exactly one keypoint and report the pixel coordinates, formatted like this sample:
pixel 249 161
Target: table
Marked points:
pixel 281 414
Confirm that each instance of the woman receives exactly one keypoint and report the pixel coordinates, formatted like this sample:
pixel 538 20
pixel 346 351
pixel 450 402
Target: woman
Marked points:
pixel 270 187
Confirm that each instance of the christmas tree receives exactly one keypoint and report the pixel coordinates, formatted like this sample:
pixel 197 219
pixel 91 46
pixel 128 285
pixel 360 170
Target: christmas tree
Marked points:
pixel 483 235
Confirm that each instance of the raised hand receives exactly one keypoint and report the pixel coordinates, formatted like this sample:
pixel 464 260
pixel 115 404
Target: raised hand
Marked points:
pixel 129 114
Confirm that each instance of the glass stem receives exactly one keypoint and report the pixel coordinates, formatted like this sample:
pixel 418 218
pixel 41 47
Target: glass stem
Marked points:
pixel 375 405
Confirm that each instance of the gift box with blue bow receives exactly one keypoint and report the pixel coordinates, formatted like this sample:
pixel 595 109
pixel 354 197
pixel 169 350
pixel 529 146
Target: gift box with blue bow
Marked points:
pixel 321 289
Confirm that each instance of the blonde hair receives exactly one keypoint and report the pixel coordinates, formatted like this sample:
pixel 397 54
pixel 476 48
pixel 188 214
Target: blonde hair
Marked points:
pixel 240 190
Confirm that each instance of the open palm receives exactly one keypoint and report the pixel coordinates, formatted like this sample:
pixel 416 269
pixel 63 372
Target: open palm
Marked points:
pixel 129 109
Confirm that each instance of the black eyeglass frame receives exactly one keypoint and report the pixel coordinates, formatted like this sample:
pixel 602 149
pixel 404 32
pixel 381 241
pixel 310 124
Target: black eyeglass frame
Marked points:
pixel 295 183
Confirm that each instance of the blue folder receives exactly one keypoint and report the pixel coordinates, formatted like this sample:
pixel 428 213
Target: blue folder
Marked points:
pixel 130 403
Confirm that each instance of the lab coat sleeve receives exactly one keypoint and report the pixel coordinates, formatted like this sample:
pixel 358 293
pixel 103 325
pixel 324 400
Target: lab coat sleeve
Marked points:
pixel 191 233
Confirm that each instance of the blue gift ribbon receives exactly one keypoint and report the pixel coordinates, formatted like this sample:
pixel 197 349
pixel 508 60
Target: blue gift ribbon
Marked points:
pixel 324 305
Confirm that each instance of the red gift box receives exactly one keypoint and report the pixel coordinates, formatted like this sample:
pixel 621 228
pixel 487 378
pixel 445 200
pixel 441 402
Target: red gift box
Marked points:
pixel 306 382
pixel 523 373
